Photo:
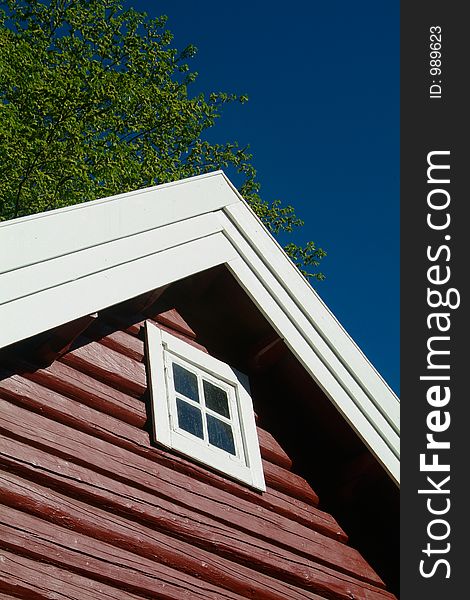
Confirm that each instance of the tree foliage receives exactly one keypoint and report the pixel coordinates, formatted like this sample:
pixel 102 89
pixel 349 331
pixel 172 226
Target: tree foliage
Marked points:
pixel 95 101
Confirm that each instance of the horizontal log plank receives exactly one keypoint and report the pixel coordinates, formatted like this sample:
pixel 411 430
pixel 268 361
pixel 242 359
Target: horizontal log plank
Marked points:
pixel 118 462
pixel 108 458
pixel 70 382
pixel 16 386
pixel 120 465
pixel 134 328
pixel 146 542
pixel 34 538
pixel 150 543
pixel 273 500
pixel 271 451
pixel 276 476
pixel 109 366
pixel 133 503
pixel 83 418
pixel 303 513
pixel 180 336
pixel 289 483
pixel 130 324
pixel 172 319
pixel 186 524
pixel 116 339
pixel 25 578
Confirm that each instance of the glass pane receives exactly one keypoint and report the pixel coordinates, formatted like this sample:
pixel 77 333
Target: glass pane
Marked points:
pixel 189 418
pixel 216 399
pixel 185 382
pixel 220 434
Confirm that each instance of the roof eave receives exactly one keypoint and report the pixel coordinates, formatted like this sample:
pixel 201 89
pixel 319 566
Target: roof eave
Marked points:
pixel 84 258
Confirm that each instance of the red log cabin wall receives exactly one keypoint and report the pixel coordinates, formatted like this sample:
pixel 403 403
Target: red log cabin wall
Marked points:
pixel 91 508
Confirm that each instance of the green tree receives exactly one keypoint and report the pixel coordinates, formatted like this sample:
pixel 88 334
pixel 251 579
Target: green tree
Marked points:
pixel 94 101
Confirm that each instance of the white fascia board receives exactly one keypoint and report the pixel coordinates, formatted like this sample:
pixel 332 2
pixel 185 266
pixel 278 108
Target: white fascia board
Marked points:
pixel 36 238
pixel 40 276
pixel 300 327
pixel 269 250
pixel 313 308
pixel 306 325
pixel 57 305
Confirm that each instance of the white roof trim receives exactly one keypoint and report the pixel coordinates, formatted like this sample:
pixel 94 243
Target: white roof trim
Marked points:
pixel 63 264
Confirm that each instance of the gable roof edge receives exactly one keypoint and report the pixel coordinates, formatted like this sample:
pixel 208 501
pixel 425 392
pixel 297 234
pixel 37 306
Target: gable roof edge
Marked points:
pixel 217 228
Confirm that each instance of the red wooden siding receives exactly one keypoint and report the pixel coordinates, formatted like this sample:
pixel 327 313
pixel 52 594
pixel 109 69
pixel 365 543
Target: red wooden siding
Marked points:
pixel 91 509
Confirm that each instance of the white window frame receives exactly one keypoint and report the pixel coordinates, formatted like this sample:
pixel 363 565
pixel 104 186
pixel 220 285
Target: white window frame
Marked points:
pixel 162 348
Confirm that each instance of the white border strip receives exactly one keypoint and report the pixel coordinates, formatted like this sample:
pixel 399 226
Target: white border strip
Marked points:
pixel 55 306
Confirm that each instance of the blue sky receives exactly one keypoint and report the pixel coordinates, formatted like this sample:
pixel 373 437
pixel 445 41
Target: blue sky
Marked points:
pixel 323 125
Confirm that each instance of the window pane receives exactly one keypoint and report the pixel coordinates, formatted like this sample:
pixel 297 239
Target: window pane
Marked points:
pixel 185 382
pixel 216 399
pixel 189 418
pixel 220 434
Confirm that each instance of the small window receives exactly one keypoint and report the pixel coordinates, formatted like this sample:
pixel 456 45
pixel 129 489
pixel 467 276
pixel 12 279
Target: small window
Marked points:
pixel 202 408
